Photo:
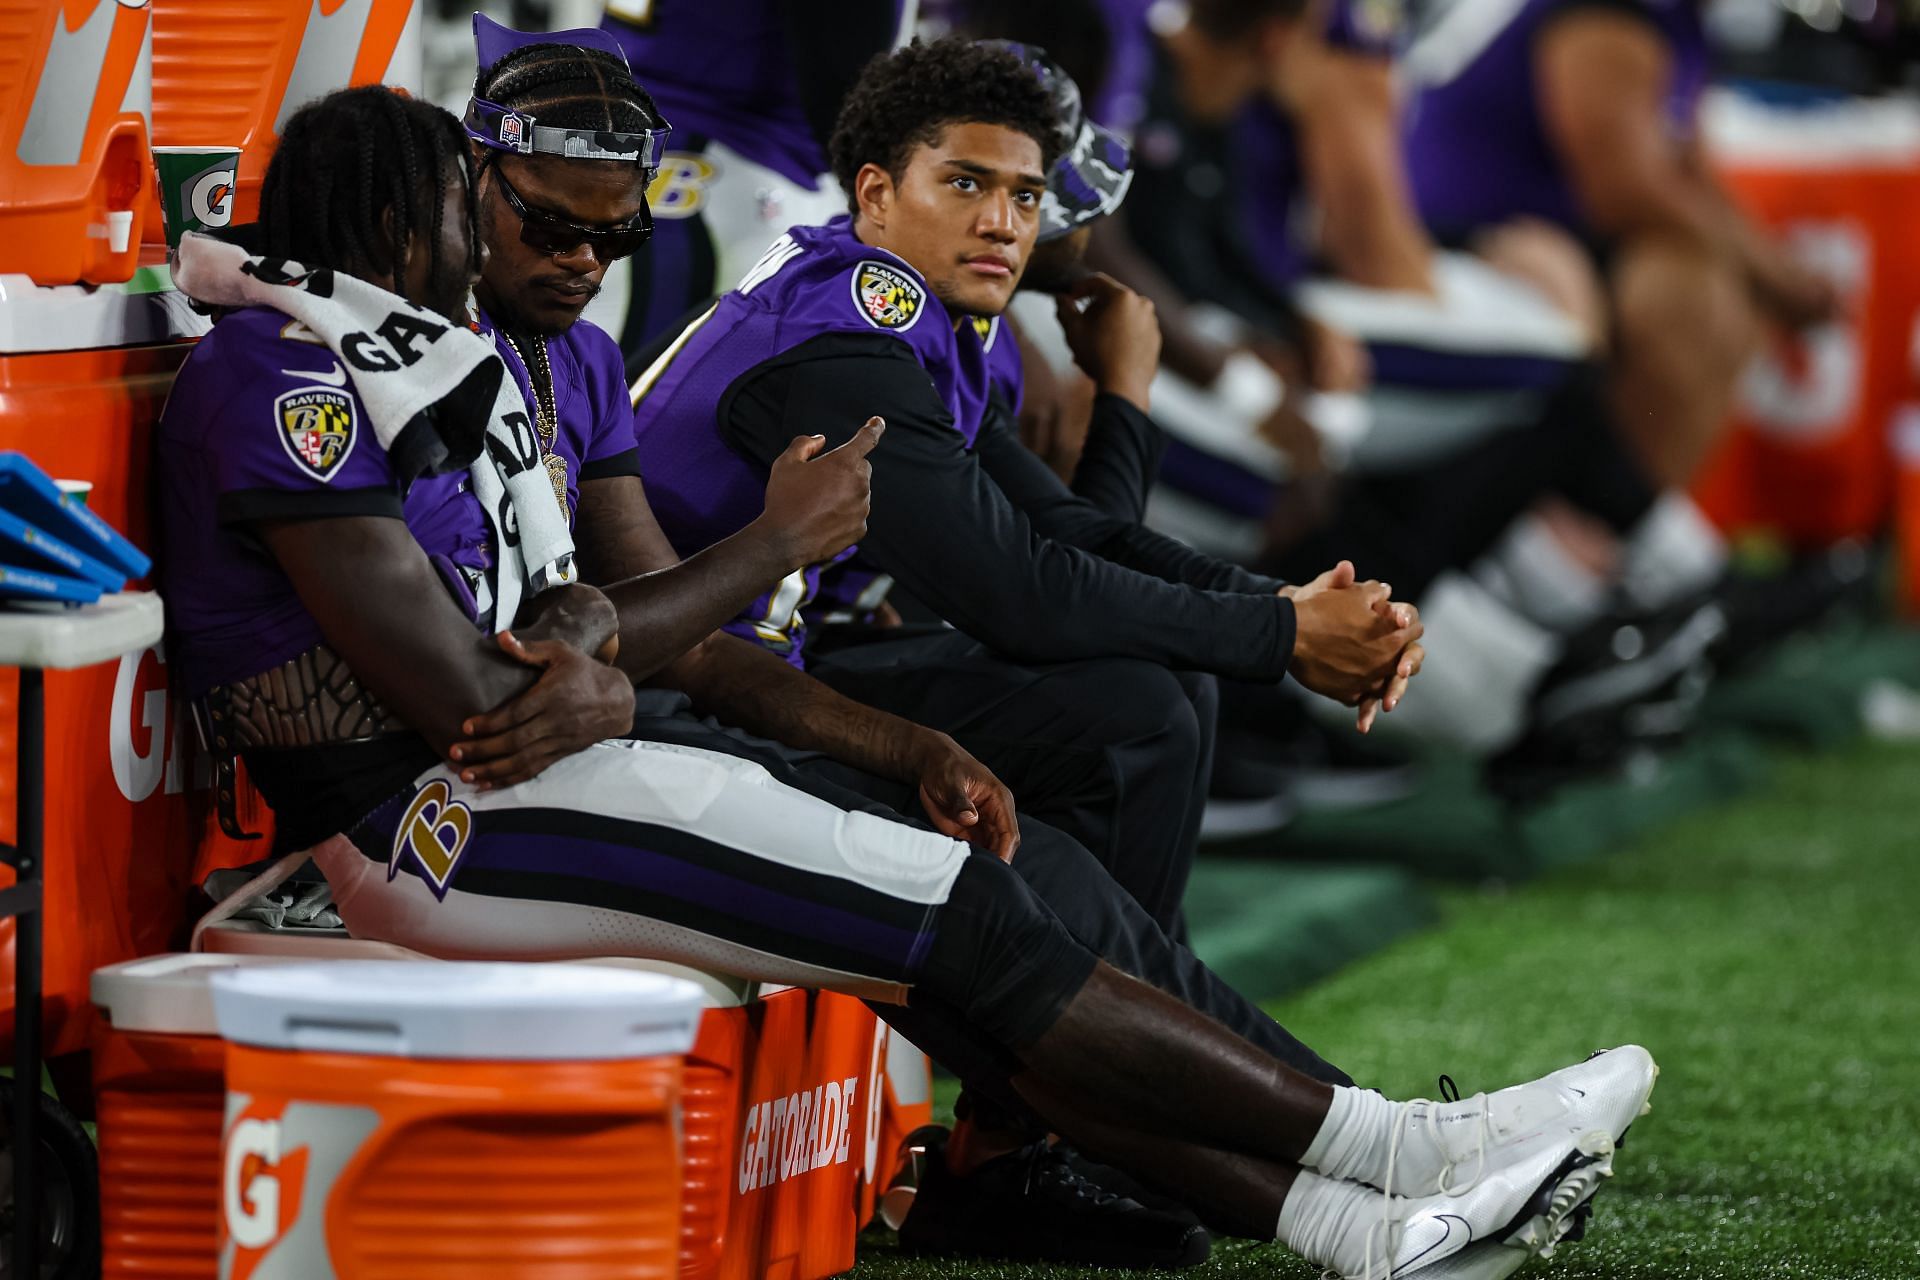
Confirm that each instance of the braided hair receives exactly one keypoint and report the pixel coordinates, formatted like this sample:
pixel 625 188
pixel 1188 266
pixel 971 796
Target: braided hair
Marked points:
pixel 346 160
pixel 569 87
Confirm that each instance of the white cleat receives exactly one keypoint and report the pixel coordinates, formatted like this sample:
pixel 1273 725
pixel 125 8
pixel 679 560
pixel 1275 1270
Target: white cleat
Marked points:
pixel 1447 1147
pixel 1522 1209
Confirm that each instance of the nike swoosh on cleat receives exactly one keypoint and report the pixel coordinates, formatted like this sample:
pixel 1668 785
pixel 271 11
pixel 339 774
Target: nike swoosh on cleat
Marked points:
pixel 336 377
pixel 1446 1223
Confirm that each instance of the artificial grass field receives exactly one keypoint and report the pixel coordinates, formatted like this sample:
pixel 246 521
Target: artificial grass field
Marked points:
pixel 1767 951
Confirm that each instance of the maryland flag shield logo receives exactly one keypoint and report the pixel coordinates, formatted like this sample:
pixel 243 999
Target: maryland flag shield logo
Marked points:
pixel 316 427
pixel 888 297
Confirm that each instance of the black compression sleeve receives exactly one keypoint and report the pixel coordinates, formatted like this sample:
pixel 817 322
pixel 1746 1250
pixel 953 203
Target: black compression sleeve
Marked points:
pixel 1065 516
pixel 1120 458
pixel 947 532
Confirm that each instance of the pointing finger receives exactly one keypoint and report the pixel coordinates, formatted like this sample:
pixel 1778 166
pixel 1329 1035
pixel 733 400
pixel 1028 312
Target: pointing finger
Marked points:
pixel 862 441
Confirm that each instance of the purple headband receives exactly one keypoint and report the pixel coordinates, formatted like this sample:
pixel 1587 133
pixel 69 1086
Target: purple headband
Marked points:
pixel 501 128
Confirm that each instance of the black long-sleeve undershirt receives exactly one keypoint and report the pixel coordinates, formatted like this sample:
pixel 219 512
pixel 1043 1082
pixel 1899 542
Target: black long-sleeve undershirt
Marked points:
pixel 950 534
pixel 1083 517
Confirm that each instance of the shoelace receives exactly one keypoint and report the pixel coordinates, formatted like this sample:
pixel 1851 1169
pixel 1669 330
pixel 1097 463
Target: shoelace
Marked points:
pixel 1386 1228
pixel 1045 1163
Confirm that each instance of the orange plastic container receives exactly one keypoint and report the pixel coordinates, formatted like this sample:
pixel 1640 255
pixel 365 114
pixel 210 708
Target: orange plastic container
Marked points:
pixel 75 185
pixel 394 1120
pixel 1807 455
pixel 230 72
pixel 159 1075
pixel 83 376
pixel 788 1106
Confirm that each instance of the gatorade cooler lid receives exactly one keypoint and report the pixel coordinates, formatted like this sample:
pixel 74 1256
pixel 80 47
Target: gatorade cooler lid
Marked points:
pixel 478 1011
pixel 167 994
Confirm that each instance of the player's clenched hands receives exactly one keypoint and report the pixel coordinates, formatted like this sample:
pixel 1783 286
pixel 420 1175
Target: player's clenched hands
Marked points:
pixel 1115 338
pixel 963 799
pixel 1353 642
pixel 576 702
pixel 817 502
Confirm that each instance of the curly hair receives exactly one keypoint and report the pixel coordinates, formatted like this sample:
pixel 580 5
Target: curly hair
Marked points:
pixel 907 98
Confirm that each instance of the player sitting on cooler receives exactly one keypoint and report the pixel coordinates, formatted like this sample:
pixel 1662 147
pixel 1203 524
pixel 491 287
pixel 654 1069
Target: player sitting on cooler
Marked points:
pixel 341 437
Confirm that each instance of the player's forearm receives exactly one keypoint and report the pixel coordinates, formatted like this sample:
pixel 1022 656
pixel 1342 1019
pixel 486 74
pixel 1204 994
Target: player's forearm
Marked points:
pixel 1350 144
pixel 665 613
pixel 1183 348
pixel 750 688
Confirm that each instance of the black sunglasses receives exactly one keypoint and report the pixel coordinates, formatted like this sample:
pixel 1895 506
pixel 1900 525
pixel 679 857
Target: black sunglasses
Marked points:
pixel 552 234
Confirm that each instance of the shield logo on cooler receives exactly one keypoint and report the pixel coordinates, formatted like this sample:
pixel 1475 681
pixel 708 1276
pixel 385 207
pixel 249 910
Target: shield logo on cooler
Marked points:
pixel 888 297
pixel 316 428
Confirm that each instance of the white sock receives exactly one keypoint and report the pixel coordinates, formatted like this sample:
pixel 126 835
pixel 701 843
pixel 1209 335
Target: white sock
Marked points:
pixel 1531 569
pixel 1674 551
pixel 1483 662
pixel 1358 1123
pixel 1326 1222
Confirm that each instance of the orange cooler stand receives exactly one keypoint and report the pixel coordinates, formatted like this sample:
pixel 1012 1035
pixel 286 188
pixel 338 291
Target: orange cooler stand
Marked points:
pixel 159 1075
pixel 393 1120
pixel 75 189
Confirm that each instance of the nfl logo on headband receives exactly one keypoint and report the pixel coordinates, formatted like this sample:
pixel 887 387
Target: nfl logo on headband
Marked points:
pixel 513 132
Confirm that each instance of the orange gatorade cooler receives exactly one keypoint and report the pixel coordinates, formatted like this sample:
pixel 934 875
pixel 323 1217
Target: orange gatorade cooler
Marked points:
pixel 393 1120
pixel 230 72
pixel 74 186
pixel 159 1075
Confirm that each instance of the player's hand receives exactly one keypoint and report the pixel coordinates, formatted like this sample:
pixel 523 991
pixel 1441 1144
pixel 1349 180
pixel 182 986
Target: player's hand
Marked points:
pixel 964 800
pixel 574 614
pixel 1791 295
pixel 1287 430
pixel 1115 337
pixel 1352 642
pixel 576 702
pixel 1337 361
pixel 818 498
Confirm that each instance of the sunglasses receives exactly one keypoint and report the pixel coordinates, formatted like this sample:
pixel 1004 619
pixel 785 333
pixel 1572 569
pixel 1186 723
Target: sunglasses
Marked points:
pixel 551 234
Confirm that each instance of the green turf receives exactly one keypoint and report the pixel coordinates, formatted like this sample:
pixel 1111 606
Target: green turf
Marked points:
pixel 1767 951
pixel 1277 926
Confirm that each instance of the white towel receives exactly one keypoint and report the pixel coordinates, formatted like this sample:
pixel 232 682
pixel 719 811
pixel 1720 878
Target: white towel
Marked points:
pixel 437 394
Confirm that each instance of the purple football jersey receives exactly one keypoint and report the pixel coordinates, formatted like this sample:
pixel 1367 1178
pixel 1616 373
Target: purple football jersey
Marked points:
pixel 595 430
pixel 263 423
pixel 1477 151
pixel 721 69
pixel 812 281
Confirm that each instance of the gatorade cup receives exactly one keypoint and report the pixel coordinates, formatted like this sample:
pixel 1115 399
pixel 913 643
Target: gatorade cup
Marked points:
pixel 393 1120
pixel 196 188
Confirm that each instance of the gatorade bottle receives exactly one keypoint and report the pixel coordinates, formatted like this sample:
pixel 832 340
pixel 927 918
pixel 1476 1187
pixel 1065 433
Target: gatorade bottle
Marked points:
pixel 393 1120
pixel 230 72
pixel 75 80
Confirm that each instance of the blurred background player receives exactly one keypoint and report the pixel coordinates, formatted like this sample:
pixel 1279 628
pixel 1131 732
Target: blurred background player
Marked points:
pixel 1585 114
pixel 751 90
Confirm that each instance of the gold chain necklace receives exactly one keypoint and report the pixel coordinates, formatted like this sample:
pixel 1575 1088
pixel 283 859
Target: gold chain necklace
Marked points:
pixel 546 418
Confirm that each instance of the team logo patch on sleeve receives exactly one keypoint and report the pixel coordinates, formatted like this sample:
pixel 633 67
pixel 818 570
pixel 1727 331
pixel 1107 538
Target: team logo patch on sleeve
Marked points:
pixel 888 297
pixel 316 426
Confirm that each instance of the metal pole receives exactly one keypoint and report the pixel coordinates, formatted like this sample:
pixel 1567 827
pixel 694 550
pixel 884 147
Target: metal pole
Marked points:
pixel 26 980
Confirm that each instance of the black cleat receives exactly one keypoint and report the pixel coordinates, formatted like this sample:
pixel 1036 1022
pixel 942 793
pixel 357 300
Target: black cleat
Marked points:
pixel 1034 1205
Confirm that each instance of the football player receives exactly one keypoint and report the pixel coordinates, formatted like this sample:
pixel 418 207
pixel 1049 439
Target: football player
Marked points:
pixel 349 670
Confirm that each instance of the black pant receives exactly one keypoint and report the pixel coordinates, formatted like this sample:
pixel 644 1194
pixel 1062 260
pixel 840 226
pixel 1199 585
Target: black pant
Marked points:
pixel 1074 888
pixel 1115 752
